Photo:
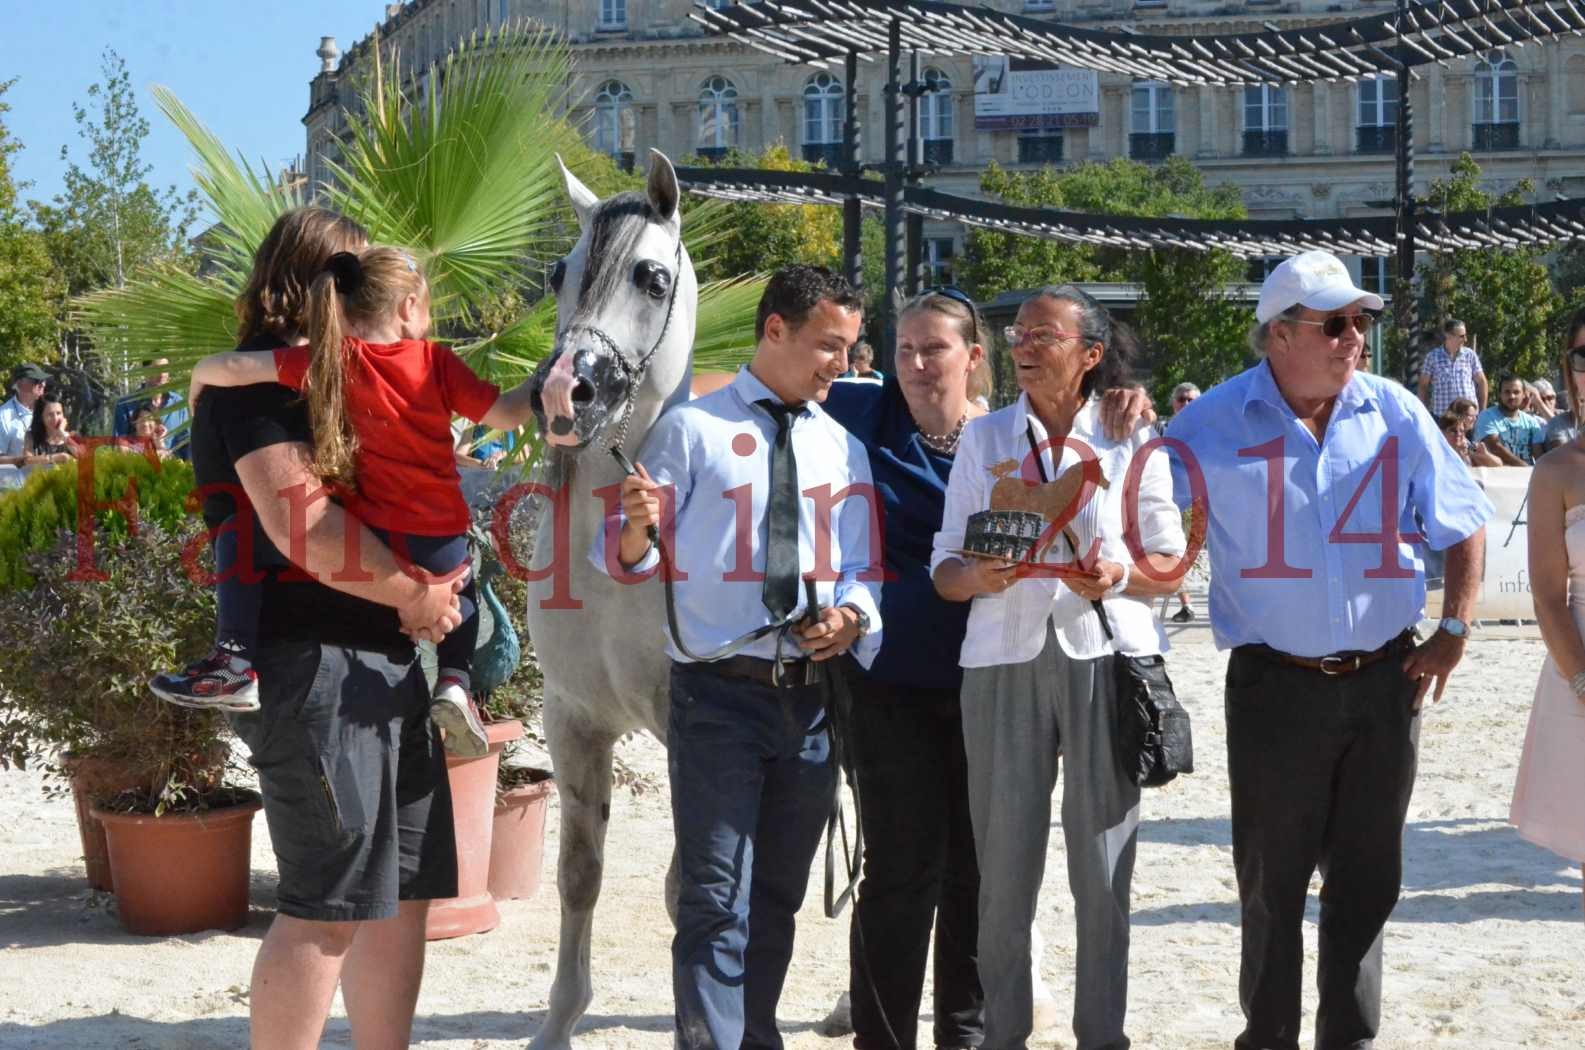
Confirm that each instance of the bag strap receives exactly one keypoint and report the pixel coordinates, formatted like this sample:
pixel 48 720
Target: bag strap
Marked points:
pixel 1067 534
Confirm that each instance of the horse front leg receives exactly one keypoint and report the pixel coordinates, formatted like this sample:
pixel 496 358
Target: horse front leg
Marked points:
pixel 582 757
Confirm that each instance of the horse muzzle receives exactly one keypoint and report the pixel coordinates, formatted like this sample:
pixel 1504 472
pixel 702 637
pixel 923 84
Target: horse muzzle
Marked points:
pixel 575 392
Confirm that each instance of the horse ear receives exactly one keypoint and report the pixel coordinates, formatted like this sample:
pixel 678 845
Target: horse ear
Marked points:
pixel 664 193
pixel 582 197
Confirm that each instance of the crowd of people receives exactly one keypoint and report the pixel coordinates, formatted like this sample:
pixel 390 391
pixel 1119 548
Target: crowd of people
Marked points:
pixel 975 681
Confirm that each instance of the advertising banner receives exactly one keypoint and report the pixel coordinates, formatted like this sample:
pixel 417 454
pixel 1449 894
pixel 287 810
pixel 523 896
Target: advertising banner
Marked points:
pixel 1505 586
pixel 1012 93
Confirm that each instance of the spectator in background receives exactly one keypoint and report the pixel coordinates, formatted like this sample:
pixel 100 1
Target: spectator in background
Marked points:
pixel 169 408
pixel 1182 395
pixel 1506 429
pixel 1478 455
pixel 1562 428
pixel 48 442
pixel 1452 426
pixel 147 432
pixel 863 370
pixel 1451 371
pixel 1543 400
pixel 16 416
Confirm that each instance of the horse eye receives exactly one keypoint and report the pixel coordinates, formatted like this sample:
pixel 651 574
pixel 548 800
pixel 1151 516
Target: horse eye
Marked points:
pixel 652 277
pixel 558 273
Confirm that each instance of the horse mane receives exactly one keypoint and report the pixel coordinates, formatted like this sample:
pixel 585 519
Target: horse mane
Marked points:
pixel 617 225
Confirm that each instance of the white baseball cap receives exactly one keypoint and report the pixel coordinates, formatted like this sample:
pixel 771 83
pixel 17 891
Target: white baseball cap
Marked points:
pixel 1317 280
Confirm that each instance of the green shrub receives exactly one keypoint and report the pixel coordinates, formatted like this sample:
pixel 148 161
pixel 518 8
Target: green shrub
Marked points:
pixel 33 517
pixel 78 655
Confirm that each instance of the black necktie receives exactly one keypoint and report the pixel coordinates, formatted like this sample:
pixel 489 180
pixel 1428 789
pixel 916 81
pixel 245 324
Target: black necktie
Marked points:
pixel 781 517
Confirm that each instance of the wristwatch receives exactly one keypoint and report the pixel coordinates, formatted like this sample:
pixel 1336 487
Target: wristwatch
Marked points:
pixel 1454 626
pixel 863 618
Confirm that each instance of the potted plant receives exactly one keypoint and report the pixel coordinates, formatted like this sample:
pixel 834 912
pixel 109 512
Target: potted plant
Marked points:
pixel 83 637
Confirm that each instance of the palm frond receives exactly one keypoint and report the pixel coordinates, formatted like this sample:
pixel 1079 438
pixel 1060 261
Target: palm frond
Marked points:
pixel 461 168
pixel 724 334
pixel 245 203
pixel 168 313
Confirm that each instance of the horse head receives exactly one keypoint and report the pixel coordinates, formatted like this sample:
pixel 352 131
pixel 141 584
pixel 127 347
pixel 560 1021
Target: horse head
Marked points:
pixel 626 299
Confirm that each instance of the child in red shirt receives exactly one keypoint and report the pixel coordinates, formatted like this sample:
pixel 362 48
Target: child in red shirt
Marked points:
pixel 381 399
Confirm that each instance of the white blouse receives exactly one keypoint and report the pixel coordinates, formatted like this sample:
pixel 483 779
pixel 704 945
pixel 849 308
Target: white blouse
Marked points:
pixel 1010 627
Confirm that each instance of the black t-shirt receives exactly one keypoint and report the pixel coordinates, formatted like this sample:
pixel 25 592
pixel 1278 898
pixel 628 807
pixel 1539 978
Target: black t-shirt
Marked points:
pixel 229 423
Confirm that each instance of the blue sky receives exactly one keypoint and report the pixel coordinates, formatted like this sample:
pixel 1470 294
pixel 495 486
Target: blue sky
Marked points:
pixel 243 67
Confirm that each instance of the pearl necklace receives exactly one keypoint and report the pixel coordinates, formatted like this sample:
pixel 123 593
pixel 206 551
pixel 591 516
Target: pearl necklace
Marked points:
pixel 947 442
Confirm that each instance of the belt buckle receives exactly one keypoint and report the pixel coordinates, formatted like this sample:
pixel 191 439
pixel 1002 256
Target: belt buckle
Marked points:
pixel 1341 664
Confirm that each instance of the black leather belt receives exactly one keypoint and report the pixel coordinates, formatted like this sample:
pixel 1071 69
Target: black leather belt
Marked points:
pixel 1338 663
pixel 756 669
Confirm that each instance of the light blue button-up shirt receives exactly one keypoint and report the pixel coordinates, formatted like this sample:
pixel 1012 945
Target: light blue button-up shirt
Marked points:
pixel 1298 562
pixel 716 452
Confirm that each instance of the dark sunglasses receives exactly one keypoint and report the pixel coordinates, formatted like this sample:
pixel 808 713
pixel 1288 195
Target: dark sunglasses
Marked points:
pixel 1576 359
pixel 1337 324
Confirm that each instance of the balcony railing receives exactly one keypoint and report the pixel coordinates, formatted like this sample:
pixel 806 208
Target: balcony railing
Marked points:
pixel 1151 145
pixel 1375 138
pixel 938 152
pixel 1040 149
pixel 1266 143
pixel 1496 136
pixel 827 153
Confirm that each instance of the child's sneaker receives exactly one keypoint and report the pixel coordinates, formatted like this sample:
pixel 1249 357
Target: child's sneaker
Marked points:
pixel 219 682
pixel 451 710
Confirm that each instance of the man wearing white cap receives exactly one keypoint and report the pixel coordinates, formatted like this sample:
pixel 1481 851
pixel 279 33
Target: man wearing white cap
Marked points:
pixel 1318 602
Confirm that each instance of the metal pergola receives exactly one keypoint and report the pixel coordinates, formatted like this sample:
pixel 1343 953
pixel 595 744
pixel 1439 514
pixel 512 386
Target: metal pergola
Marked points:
pixel 828 32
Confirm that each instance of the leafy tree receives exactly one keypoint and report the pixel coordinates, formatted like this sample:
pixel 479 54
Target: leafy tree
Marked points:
pixel 30 290
pixel 1504 296
pixel 759 238
pixel 1188 327
pixel 110 223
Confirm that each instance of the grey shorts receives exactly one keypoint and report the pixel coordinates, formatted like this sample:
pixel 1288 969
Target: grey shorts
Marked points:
pixel 354 781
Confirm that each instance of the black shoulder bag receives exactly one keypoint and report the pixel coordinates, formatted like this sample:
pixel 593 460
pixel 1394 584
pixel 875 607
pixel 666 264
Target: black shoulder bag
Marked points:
pixel 1151 731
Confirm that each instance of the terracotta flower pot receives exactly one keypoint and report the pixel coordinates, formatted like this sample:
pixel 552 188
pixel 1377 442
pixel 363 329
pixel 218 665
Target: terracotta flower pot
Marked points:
pixel 517 844
pixel 472 910
pixel 183 872
pixel 94 778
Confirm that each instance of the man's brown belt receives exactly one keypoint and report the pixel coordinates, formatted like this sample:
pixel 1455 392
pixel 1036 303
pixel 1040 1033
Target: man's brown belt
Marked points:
pixel 1339 663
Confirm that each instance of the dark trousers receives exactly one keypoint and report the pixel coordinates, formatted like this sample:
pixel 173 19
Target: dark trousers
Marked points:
pixel 751 787
pixel 1321 768
pixel 237 594
pixel 919 868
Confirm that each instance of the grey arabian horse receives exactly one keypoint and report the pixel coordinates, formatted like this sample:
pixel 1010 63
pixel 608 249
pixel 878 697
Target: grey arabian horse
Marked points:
pixel 626 302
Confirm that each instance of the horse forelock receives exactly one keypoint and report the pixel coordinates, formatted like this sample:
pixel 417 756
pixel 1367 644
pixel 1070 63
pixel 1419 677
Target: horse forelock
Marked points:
pixel 614 234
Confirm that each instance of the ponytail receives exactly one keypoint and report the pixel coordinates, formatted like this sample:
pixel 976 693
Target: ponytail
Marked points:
pixel 335 443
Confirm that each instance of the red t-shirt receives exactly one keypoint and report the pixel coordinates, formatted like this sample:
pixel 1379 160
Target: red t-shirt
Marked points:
pixel 400 400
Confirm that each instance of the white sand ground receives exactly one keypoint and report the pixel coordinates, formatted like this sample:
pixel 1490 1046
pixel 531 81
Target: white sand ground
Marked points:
pixel 1486 950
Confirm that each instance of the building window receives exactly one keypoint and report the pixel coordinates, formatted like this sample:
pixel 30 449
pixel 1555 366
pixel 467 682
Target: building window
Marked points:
pixel 613 14
pixel 1260 267
pixel 614 123
pixel 1040 5
pixel 717 118
pixel 1376 130
pixel 1574 75
pixel 501 13
pixel 823 120
pixel 1375 274
pixel 1040 146
pixel 1153 132
pixel 935 118
pixel 1496 122
pixel 938 260
pixel 1265 121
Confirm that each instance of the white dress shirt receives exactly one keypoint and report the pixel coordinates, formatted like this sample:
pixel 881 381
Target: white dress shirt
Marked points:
pixel 1010 627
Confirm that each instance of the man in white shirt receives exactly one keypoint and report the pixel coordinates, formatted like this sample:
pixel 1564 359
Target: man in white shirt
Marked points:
pixel 16 415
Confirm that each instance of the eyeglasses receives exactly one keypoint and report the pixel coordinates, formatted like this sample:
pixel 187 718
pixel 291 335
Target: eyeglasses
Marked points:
pixel 1337 324
pixel 957 295
pixel 1576 359
pixel 1040 338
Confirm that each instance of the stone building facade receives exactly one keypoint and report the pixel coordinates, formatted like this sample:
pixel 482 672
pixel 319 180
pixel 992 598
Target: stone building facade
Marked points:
pixel 646 76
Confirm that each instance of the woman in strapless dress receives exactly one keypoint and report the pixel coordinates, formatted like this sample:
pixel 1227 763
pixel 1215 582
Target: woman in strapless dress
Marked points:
pixel 1549 795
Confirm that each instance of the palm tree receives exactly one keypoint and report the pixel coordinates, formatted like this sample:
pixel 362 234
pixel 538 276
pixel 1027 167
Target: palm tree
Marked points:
pixel 458 166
